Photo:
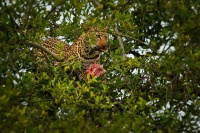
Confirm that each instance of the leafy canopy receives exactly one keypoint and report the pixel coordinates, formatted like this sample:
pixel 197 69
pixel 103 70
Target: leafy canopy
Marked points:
pixel 155 88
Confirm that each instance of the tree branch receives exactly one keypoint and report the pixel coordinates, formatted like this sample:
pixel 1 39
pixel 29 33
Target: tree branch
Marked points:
pixel 44 49
pixel 120 42
pixel 137 40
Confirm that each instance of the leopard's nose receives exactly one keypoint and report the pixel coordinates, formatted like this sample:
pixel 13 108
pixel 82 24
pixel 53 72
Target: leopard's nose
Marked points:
pixel 96 48
pixel 100 48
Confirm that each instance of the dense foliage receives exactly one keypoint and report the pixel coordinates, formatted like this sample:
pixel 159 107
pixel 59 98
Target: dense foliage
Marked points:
pixel 151 84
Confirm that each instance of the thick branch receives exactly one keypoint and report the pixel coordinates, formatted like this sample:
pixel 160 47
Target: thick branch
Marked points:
pixel 44 49
pixel 120 43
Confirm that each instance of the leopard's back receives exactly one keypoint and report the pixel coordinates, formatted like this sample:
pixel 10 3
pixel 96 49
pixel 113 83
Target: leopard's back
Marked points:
pixel 56 46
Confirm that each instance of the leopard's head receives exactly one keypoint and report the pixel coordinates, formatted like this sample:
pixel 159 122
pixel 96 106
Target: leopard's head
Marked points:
pixel 95 38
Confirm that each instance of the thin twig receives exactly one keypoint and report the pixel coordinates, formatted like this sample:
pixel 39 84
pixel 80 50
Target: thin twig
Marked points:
pixel 13 23
pixel 137 40
pixel 40 100
pixel 28 14
pixel 95 3
pixel 53 9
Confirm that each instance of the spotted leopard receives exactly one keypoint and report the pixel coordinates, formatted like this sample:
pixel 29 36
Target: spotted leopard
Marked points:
pixel 86 49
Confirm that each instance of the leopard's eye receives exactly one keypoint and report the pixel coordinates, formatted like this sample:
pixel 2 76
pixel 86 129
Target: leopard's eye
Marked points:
pixel 95 28
pixel 98 36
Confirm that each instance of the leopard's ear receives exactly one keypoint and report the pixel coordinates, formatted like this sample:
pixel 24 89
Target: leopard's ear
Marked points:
pixel 105 28
pixel 85 27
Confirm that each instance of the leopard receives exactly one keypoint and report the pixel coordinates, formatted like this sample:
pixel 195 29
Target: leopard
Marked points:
pixel 87 49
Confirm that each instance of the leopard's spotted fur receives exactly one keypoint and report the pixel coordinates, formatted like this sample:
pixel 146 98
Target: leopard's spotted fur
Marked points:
pixel 87 48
